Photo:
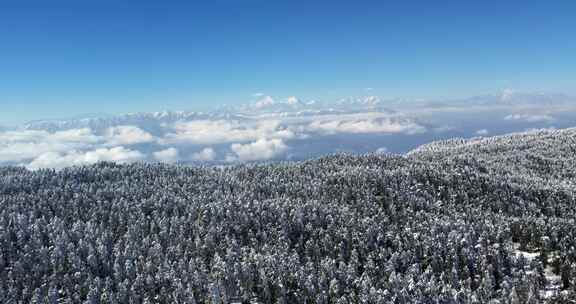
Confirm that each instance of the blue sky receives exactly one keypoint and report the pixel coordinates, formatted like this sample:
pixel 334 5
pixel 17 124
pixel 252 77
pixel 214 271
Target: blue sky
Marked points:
pixel 62 58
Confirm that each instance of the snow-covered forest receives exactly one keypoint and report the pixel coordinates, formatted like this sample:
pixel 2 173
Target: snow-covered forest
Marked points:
pixel 485 220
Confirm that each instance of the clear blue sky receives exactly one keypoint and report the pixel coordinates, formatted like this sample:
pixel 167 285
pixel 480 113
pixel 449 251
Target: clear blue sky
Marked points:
pixel 61 58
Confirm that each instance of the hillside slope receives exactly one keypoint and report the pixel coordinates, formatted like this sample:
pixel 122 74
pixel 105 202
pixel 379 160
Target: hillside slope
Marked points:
pixel 490 219
pixel 545 155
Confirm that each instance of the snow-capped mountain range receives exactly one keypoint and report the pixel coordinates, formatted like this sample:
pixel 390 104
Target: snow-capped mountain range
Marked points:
pixel 269 107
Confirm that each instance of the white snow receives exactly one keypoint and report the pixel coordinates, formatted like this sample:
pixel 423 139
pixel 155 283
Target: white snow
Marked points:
pixel 553 280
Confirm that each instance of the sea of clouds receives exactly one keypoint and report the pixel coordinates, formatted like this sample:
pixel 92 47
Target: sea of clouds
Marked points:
pixel 272 129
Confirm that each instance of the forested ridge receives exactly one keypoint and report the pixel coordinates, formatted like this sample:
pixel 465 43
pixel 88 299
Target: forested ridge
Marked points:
pixel 485 220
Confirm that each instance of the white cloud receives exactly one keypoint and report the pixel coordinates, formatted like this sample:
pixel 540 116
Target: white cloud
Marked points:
pixel 258 94
pixel 60 160
pixel 482 132
pixel 206 154
pixel 83 135
pixel 21 151
pixel 261 149
pixel 210 132
pixel 169 155
pixel 382 150
pixel 383 125
pixel 530 117
pixel 21 145
pixel 127 135
pixel 230 158
pixel 258 138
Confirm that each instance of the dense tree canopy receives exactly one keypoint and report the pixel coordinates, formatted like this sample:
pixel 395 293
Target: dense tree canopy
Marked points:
pixel 461 221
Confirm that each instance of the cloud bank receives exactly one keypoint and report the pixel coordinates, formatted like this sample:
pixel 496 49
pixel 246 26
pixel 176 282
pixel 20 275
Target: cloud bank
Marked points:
pixel 205 155
pixel 277 128
pixel 208 132
pixel 76 158
pixel 169 155
pixel 530 117
pixel 385 126
pixel 262 149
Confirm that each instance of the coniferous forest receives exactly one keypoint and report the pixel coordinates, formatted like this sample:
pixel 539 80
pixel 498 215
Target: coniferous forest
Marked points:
pixel 484 220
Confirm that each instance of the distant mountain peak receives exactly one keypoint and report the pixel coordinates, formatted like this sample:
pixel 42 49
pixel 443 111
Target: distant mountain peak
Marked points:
pixel 513 97
pixel 507 94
